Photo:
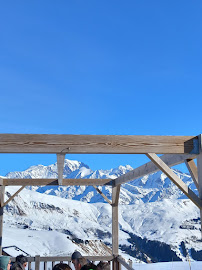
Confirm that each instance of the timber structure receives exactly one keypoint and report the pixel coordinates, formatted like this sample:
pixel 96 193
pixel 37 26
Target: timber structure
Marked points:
pixel 173 149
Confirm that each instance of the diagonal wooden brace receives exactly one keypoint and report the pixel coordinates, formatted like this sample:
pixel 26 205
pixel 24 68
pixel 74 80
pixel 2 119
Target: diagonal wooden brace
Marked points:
pixel 105 197
pixel 193 171
pixel 12 197
pixel 175 179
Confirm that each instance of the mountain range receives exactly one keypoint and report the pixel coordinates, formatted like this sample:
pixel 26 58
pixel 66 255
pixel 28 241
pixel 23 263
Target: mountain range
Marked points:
pixel 152 212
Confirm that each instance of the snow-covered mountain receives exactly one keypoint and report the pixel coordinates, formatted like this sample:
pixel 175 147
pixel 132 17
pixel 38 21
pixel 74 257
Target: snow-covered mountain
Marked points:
pixel 153 212
pixel 150 188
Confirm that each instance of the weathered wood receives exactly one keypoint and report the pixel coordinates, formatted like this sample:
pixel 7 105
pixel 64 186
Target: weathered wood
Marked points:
pixel 2 192
pixel 115 264
pixel 97 144
pixel 29 265
pixel 37 262
pixel 68 258
pixel 193 171
pixel 175 179
pixel 124 263
pixel 115 220
pixel 105 197
pixel 54 182
pixel 45 266
pixel 150 167
pixel 13 196
pixel 60 167
pixel 199 166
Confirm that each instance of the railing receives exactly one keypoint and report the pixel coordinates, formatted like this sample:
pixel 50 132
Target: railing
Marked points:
pixel 47 263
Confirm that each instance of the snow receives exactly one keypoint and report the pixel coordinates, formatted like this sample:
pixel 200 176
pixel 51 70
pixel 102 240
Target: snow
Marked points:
pixel 151 207
pixel 169 266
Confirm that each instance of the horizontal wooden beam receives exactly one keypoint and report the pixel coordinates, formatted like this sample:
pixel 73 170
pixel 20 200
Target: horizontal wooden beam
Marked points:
pixel 175 179
pixel 67 258
pixel 150 167
pixel 97 144
pixel 53 182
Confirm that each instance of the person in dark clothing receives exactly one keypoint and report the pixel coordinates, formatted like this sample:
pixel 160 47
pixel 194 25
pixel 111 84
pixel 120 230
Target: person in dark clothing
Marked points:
pixel 78 260
pixel 20 263
pixel 103 265
pixel 62 266
pixel 89 266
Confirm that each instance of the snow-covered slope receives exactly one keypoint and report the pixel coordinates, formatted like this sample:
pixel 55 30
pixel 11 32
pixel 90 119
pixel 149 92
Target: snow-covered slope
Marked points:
pixel 152 208
pixel 33 211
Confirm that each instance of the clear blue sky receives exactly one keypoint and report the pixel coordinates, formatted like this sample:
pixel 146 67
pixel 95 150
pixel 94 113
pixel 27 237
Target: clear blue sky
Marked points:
pixel 99 67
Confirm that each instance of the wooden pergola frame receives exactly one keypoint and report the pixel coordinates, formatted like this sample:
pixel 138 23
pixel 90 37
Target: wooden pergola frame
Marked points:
pixel 174 150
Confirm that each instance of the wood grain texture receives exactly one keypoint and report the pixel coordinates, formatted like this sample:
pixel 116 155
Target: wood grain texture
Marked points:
pixel 54 182
pixel 193 171
pixel 115 220
pixel 60 167
pixel 199 167
pixel 67 258
pixel 96 144
pixel 176 180
pixel 150 167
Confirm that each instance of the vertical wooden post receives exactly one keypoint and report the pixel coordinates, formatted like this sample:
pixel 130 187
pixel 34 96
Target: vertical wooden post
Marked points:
pixel 199 166
pixel 115 225
pixel 2 191
pixel 29 265
pixel 37 262
pixel 60 167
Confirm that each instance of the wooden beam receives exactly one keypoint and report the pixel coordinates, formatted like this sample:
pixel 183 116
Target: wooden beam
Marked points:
pixel 105 197
pixel 2 192
pixel 97 144
pixel 13 196
pixel 199 166
pixel 176 180
pixel 193 171
pixel 124 263
pixel 115 220
pixel 53 182
pixel 60 167
pixel 115 195
pixel 67 258
pixel 150 167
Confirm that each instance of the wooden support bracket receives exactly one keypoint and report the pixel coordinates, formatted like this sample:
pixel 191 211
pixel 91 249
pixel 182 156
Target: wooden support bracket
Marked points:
pixel 105 197
pixel 60 165
pixel 175 179
pixel 193 171
pixel 150 167
pixel 12 197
